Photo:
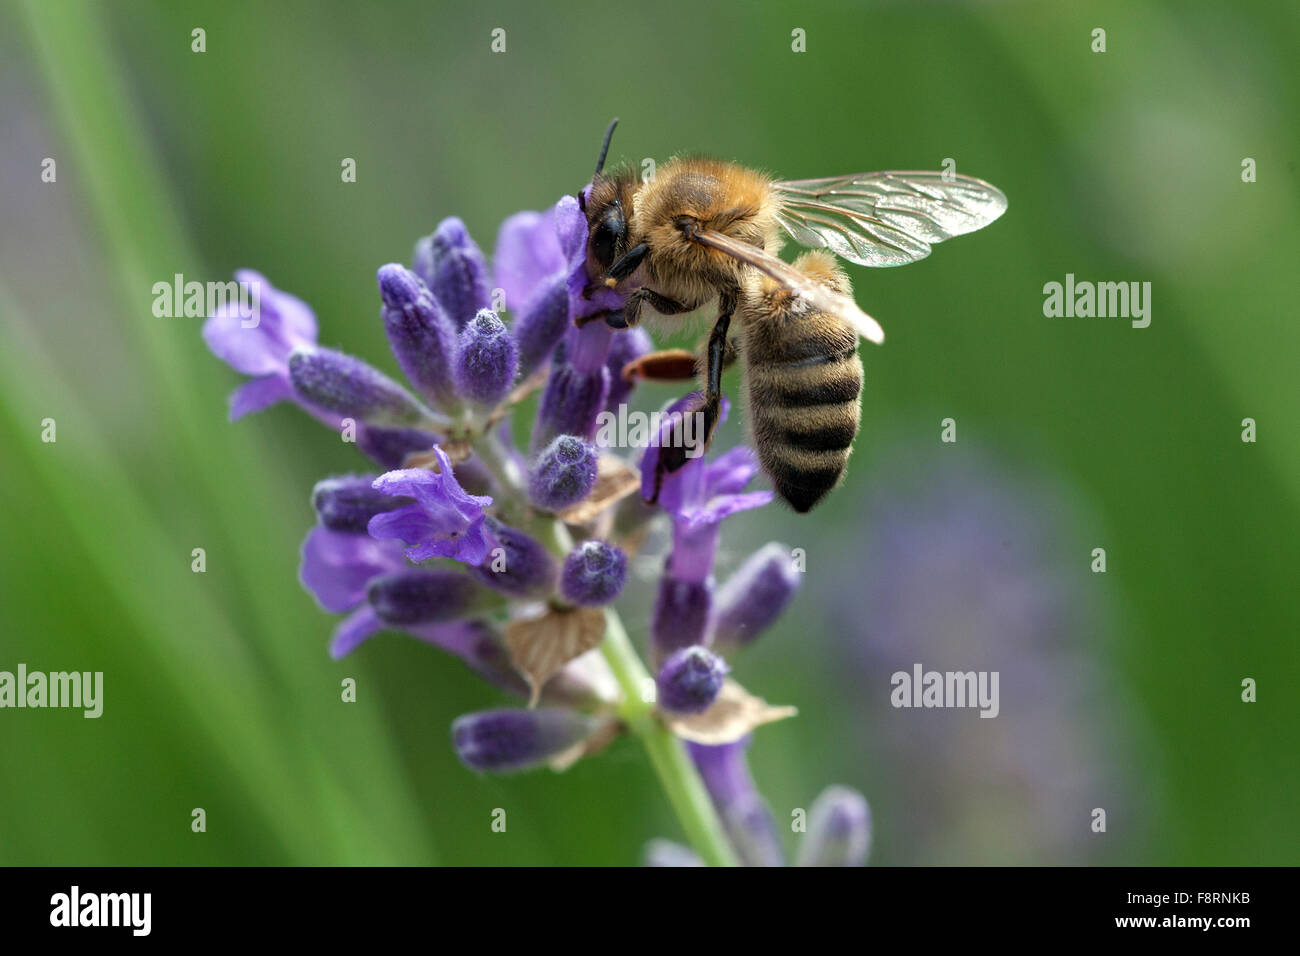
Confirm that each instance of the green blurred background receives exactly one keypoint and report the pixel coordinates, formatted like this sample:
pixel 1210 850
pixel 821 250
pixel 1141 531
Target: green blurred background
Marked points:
pixel 1123 165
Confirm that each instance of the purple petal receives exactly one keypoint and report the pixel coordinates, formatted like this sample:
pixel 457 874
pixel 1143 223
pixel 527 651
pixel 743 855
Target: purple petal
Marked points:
pixel 444 521
pixel 724 506
pixel 292 315
pixel 570 230
pixel 694 549
pixel 353 630
pixel 469 546
pixel 258 394
pixel 409 524
pixel 336 566
pixel 284 323
pixel 730 472
pixel 475 543
pixel 252 351
pixel 527 255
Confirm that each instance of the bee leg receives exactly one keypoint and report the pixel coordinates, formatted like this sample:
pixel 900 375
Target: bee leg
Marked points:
pixel 660 303
pixel 627 263
pixel 717 361
pixel 677 453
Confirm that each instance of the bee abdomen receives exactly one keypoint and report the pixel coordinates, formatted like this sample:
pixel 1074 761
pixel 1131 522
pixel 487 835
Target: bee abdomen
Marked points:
pixel 804 412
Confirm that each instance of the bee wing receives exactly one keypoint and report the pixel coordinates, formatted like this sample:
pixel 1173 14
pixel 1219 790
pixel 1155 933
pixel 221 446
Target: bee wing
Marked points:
pixel 817 296
pixel 887 218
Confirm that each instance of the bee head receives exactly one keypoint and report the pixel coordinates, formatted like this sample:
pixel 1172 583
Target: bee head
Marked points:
pixel 607 203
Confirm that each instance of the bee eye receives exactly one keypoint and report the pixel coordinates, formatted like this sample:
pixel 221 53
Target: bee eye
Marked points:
pixel 605 239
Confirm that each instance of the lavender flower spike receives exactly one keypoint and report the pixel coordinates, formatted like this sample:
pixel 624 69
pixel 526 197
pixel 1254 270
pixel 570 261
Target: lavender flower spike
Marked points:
pixel 563 474
pixel 506 741
pixel 690 680
pixel 444 521
pixel 839 830
pixel 755 596
pixel 452 266
pixel 348 386
pixel 421 335
pixel 594 573
pixel 486 359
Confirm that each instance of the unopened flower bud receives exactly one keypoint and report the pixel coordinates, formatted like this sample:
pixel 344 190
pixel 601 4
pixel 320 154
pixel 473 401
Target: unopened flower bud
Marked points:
pixel 681 615
pixel 755 596
pixel 422 596
pixel 504 741
pixel 348 386
pixel 452 266
pixel 748 821
pixel 839 830
pixel 540 325
pixel 746 817
pixel 391 446
pixel 563 474
pixel 689 681
pixel 570 403
pixel 420 333
pixel 516 564
pixel 486 359
pixel 594 573
pixel 348 502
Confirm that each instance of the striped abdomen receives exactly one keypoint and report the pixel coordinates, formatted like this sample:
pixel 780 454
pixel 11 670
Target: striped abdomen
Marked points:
pixel 804 378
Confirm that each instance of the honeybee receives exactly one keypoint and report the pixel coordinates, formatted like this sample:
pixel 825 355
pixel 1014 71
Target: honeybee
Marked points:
pixel 704 229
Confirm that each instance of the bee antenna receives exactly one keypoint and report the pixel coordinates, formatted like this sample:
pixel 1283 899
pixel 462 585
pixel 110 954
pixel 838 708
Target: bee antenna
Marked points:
pixel 604 146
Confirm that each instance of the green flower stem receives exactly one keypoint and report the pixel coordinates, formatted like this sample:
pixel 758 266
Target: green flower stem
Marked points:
pixel 497 459
pixel 676 772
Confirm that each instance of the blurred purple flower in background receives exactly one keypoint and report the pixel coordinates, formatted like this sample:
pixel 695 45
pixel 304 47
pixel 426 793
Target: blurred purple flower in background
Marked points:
pixel 971 566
